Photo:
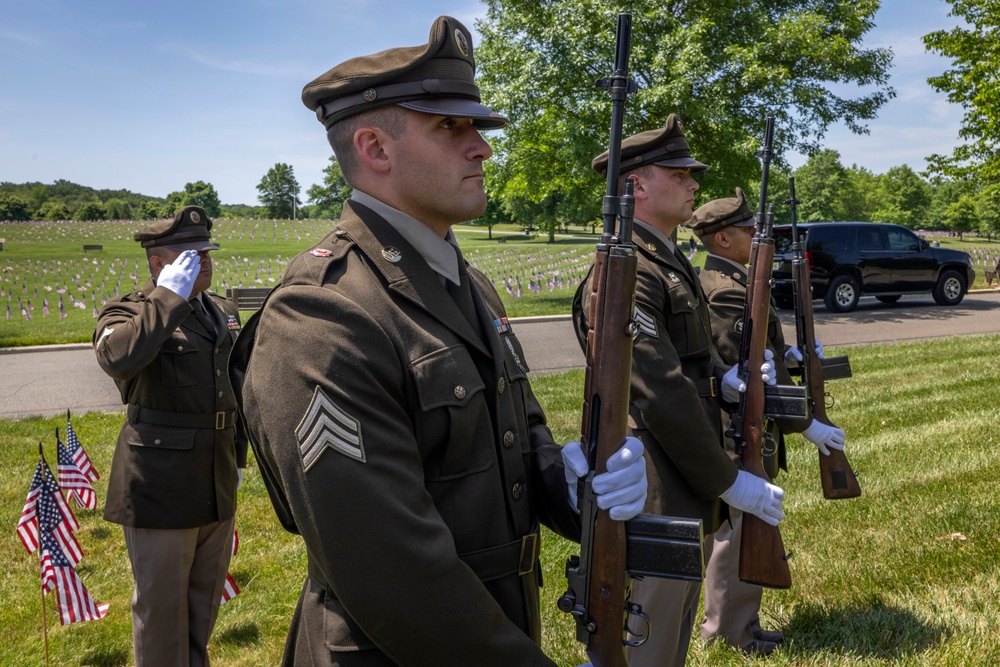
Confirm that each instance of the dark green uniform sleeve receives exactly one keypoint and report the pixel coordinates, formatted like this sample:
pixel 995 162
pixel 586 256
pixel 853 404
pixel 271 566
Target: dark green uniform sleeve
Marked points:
pixel 363 505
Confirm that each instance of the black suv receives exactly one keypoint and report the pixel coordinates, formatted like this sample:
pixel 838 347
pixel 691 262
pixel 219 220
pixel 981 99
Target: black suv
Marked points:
pixel 848 260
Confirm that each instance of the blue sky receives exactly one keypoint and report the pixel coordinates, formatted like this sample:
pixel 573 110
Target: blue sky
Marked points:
pixel 148 96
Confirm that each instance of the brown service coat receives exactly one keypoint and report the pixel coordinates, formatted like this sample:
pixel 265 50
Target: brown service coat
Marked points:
pixel 725 286
pixel 670 409
pixel 437 451
pixel 171 475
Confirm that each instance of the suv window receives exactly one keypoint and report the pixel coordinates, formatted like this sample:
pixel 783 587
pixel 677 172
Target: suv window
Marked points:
pixel 831 240
pixel 900 239
pixel 870 239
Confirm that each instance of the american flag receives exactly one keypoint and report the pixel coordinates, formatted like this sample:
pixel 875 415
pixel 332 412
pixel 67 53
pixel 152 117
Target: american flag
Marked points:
pixel 231 590
pixel 80 457
pixel 45 499
pixel 72 479
pixel 75 602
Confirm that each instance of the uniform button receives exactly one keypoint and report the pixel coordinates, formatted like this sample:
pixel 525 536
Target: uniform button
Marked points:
pixel 690 305
pixel 217 349
pixel 501 385
pixel 218 372
pixel 221 394
pixel 508 439
pixel 516 491
pixel 157 442
pixel 459 392
pixel 180 348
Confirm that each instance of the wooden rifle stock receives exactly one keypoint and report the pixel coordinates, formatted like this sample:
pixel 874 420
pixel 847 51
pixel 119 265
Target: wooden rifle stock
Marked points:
pixel 762 554
pixel 836 476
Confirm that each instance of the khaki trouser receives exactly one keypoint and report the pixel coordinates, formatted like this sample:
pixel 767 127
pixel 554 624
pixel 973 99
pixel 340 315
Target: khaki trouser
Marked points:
pixel 179 575
pixel 731 606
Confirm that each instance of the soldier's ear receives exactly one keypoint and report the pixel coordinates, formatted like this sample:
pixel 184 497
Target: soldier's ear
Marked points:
pixel 373 146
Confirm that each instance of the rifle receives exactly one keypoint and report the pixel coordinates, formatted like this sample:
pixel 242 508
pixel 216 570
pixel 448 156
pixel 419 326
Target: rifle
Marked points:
pixel 599 578
pixel 835 471
pixel 762 554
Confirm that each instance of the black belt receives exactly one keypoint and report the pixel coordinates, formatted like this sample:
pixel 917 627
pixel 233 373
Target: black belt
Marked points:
pixel 517 557
pixel 217 420
pixel 707 387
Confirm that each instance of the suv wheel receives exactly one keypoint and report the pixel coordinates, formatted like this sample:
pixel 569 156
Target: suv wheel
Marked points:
pixel 950 289
pixel 842 295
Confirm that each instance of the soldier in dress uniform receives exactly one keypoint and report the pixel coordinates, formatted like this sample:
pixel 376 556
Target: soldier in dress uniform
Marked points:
pixel 175 469
pixel 387 396
pixel 726 228
pixel 677 383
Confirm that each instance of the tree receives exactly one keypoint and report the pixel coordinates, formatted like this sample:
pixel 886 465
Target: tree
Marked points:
pixel 721 65
pixel 53 210
pixel 974 83
pixel 91 210
pixel 821 185
pixel 14 208
pixel 903 198
pixel 277 190
pixel 988 211
pixel 198 193
pixel 329 198
pixel 150 210
pixel 945 193
pixel 117 209
pixel 961 216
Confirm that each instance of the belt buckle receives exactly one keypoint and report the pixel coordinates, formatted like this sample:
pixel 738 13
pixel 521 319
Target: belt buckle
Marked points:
pixel 713 386
pixel 529 550
pixel 220 421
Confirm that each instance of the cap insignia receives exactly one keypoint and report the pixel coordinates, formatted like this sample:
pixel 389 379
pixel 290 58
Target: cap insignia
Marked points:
pixel 320 252
pixel 462 43
pixel 370 95
pixel 651 247
pixel 673 277
pixel 391 254
pixel 195 218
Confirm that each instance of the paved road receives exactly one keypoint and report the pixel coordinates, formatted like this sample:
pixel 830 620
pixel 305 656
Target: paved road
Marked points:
pixel 50 380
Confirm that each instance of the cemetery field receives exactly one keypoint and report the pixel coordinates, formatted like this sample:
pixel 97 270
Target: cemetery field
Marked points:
pixel 52 289
pixel 906 575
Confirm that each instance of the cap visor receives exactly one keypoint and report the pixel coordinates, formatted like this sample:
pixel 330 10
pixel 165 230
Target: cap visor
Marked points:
pixel 749 222
pixel 683 163
pixel 484 118
pixel 193 245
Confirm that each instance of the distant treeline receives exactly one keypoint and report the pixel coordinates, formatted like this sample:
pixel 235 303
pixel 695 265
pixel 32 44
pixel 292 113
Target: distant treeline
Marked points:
pixel 64 200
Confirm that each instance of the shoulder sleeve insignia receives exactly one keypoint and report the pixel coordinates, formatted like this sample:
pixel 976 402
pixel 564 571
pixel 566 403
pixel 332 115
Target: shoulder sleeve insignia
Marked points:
pixel 320 252
pixel 325 425
pixel 646 324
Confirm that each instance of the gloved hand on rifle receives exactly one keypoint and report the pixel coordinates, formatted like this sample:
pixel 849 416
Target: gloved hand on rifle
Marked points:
pixel 824 436
pixel 179 276
pixel 755 495
pixel 622 489
pixel 793 355
pixel 732 386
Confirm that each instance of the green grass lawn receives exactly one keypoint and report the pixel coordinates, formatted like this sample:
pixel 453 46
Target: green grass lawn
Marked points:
pixel 908 574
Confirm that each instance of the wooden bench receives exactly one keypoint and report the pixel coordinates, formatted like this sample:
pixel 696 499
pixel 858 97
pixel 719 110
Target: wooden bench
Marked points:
pixel 502 239
pixel 992 274
pixel 92 246
pixel 248 298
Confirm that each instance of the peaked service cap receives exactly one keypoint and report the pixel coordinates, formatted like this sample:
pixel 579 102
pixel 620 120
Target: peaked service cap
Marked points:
pixel 666 147
pixel 435 78
pixel 718 214
pixel 190 229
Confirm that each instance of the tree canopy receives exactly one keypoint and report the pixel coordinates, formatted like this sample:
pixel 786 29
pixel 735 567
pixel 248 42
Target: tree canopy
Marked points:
pixel 722 65
pixel 974 83
pixel 328 198
pixel 278 189
pixel 198 193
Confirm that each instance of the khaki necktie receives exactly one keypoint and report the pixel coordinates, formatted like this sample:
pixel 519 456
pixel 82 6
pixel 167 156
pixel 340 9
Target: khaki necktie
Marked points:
pixel 462 294
pixel 202 316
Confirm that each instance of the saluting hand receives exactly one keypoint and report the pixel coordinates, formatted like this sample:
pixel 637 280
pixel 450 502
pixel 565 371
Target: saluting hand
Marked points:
pixel 179 276
pixel 621 490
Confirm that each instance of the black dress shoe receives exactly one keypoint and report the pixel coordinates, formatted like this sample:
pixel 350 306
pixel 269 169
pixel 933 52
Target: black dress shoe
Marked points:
pixel 759 647
pixel 769 636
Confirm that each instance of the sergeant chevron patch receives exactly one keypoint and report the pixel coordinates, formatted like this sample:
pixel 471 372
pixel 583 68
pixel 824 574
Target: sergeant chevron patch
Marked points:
pixel 646 324
pixel 326 425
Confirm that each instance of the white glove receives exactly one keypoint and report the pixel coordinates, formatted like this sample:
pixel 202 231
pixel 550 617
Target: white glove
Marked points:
pixel 179 276
pixel 819 349
pixel 756 496
pixel 824 436
pixel 793 356
pixel 621 490
pixel 239 478
pixel 732 387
